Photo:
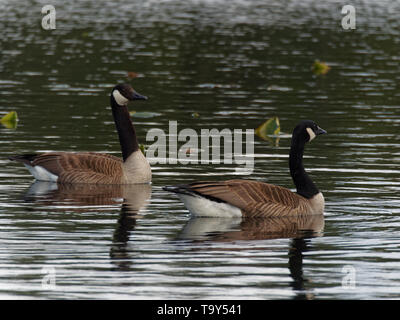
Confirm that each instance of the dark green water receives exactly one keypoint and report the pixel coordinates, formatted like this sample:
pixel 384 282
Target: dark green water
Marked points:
pixel 235 63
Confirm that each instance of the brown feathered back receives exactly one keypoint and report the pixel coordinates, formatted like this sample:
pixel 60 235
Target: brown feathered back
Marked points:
pixel 84 167
pixel 255 199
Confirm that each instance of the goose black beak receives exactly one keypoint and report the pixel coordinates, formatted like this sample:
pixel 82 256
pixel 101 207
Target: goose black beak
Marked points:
pixel 137 96
pixel 320 131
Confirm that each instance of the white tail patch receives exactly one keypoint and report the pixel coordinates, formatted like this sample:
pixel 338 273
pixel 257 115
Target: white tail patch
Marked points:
pixel 311 134
pixel 203 207
pixel 41 173
pixel 119 98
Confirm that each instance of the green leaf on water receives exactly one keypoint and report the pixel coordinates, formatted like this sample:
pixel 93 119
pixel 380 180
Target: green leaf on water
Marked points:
pixel 10 120
pixel 269 128
pixel 320 68
pixel 142 148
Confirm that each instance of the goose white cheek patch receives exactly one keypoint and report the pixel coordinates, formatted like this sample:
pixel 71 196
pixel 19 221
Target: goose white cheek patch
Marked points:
pixel 311 133
pixel 119 98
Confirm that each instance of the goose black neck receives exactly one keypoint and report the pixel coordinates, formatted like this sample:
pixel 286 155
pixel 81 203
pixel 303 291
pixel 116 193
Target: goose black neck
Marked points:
pixel 304 185
pixel 125 128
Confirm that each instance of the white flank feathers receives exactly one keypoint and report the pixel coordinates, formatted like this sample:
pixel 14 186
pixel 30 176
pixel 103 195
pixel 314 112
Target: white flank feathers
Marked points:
pixel 41 173
pixel 203 207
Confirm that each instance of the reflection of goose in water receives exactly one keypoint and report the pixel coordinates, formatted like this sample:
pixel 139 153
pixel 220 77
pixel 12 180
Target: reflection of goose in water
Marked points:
pixel 299 284
pixel 223 229
pixel 85 197
pixel 134 197
pixel 299 228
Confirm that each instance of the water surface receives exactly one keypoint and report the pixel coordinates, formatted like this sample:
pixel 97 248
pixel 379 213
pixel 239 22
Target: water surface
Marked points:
pixel 235 64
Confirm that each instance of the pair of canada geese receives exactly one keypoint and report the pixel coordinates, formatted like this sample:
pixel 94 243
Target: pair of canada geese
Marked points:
pixel 231 198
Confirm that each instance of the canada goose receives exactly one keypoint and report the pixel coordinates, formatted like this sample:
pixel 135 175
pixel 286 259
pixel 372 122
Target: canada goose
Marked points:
pixel 97 168
pixel 247 198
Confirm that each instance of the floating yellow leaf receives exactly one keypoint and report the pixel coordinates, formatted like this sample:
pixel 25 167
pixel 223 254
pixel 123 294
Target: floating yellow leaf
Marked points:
pixel 10 120
pixel 320 68
pixel 269 128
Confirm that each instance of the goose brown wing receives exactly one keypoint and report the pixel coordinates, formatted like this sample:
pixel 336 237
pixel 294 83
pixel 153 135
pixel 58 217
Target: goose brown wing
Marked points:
pixel 86 167
pixel 252 197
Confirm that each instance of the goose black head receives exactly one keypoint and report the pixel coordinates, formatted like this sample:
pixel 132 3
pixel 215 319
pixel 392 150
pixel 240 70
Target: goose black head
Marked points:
pixel 307 130
pixel 123 93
